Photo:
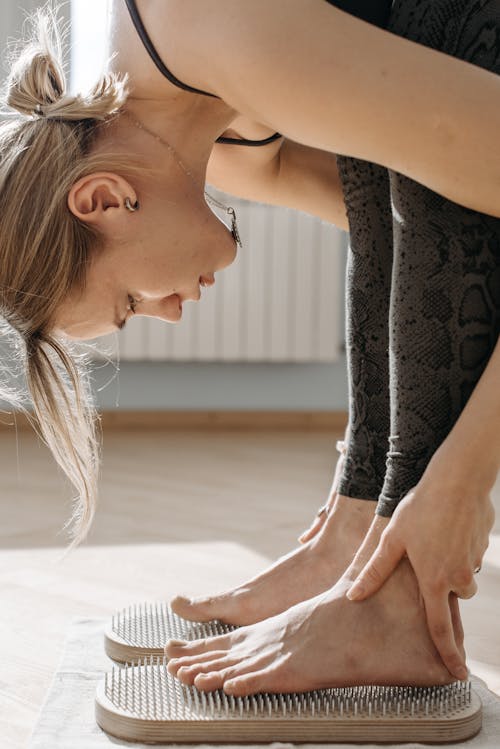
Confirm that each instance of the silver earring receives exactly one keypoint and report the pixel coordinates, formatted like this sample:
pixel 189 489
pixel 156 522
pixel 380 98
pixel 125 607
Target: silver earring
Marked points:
pixel 129 206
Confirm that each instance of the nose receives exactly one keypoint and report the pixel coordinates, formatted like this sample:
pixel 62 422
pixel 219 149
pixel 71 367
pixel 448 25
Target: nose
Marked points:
pixel 207 280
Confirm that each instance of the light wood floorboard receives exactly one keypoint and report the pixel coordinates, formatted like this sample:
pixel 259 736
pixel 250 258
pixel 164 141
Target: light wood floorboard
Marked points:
pixel 179 510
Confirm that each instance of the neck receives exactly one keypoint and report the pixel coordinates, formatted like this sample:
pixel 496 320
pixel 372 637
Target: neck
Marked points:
pixel 190 124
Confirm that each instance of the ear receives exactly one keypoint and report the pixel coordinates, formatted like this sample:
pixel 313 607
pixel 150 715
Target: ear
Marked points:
pixel 99 198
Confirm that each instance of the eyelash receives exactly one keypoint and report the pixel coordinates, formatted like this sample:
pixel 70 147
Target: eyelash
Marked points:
pixel 132 304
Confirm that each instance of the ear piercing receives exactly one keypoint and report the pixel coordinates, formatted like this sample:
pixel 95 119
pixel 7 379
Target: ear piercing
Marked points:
pixel 131 207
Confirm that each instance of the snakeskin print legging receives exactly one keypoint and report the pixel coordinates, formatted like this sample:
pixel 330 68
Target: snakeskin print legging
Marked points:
pixel 422 287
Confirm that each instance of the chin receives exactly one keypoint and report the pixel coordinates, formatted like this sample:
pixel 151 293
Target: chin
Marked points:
pixel 232 256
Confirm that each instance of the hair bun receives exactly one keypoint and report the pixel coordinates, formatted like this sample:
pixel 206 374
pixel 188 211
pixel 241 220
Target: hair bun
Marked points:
pixel 36 77
pixel 37 83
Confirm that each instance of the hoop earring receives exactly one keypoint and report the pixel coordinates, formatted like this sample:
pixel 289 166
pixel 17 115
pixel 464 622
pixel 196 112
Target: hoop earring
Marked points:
pixel 129 206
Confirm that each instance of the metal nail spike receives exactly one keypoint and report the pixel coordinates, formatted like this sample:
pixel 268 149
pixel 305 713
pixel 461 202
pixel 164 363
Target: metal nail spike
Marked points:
pixel 143 629
pixel 143 702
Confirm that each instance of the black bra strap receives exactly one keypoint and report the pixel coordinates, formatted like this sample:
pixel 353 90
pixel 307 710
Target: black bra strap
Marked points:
pixel 247 142
pixel 137 21
pixel 140 28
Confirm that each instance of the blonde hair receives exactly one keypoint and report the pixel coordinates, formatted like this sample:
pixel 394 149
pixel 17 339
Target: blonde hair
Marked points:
pixel 45 249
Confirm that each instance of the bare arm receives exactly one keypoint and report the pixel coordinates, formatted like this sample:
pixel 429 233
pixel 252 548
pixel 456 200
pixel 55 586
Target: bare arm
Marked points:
pixel 281 173
pixel 333 82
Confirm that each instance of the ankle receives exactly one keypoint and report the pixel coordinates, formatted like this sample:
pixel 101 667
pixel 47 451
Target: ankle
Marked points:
pixel 351 514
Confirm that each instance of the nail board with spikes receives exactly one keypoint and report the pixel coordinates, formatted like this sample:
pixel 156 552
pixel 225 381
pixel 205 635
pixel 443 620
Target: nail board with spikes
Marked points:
pixel 143 702
pixel 143 629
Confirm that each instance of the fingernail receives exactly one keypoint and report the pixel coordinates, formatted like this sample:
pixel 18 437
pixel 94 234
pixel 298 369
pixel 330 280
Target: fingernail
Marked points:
pixel 462 673
pixel 356 592
pixel 175 643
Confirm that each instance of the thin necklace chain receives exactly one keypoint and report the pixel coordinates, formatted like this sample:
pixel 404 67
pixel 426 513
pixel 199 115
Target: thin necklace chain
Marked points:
pixel 177 158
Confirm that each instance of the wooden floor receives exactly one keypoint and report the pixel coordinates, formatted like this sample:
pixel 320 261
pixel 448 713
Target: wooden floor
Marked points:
pixel 179 510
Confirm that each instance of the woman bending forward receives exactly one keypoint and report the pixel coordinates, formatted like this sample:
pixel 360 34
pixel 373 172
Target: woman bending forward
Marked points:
pixel 373 118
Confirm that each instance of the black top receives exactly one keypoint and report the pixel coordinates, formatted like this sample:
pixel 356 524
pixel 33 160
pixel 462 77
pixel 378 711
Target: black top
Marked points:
pixel 373 11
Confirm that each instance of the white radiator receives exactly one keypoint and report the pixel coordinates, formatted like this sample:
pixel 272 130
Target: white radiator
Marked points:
pixel 279 301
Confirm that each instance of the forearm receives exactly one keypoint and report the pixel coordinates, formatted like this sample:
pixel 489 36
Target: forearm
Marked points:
pixel 473 445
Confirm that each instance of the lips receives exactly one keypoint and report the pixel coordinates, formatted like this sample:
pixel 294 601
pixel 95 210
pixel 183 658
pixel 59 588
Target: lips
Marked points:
pixel 207 280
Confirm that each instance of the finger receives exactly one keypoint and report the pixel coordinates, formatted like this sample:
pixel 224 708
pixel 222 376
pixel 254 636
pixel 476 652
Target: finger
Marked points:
pixel 463 583
pixel 440 625
pixel 456 619
pixel 379 567
pixel 318 521
pixel 467 591
pixel 313 529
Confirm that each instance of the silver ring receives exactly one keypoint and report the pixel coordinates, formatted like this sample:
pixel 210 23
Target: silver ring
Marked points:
pixel 322 511
pixel 478 569
pixel 341 447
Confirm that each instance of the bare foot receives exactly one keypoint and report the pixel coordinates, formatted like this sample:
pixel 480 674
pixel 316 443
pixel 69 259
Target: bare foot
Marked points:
pixel 303 573
pixel 328 641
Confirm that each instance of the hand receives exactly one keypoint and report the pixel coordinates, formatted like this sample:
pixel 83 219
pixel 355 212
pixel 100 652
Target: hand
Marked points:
pixel 324 511
pixel 443 526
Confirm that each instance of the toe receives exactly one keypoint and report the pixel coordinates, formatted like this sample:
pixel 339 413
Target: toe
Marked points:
pixel 194 609
pixel 213 680
pixel 216 667
pixel 187 674
pixel 250 683
pixel 175 664
pixel 210 681
pixel 216 674
pixel 179 649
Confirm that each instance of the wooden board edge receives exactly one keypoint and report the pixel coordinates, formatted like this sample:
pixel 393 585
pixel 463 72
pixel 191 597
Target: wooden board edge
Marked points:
pixel 332 421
